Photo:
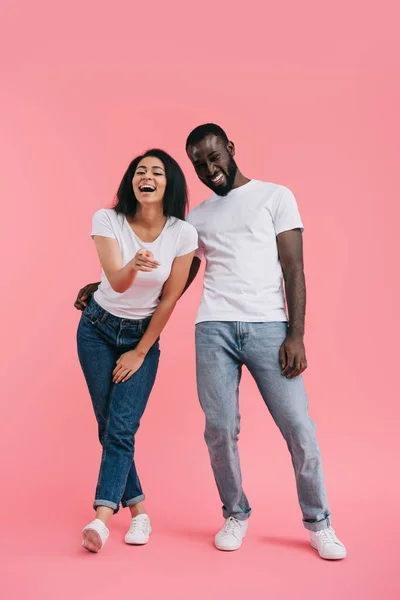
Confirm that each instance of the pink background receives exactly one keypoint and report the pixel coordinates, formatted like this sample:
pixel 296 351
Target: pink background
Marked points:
pixel 309 92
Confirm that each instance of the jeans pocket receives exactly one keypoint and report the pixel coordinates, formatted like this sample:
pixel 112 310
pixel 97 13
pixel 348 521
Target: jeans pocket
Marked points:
pixel 90 315
pixel 269 334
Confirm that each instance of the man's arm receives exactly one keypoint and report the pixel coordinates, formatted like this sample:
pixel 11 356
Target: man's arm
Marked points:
pixel 292 352
pixel 83 294
pixel 194 269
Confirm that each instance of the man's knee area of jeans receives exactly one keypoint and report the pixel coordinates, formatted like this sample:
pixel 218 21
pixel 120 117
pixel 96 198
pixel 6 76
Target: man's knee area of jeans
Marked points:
pixel 302 438
pixel 221 431
pixel 296 423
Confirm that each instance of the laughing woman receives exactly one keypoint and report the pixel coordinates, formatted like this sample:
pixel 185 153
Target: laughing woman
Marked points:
pixel 145 249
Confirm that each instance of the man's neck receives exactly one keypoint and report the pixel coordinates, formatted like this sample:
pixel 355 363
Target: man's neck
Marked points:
pixel 240 180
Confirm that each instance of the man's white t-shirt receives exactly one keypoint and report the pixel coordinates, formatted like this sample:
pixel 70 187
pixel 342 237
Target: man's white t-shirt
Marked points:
pixel 142 298
pixel 243 278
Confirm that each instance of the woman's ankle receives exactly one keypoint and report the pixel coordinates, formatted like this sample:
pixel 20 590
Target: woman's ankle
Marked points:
pixel 104 514
pixel 137 509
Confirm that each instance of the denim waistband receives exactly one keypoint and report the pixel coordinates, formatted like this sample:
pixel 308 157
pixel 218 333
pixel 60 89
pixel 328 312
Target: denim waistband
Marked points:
pixel 103 316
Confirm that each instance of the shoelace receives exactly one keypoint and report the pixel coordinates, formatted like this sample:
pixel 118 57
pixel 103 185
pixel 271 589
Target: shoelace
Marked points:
pixel 138 525
pixel 328 535
pixel 231 526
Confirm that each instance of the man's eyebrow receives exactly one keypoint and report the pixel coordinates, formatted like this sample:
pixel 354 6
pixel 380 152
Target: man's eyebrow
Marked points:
pixel 199 161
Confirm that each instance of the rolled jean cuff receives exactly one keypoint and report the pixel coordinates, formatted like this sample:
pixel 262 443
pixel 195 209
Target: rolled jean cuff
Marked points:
pixel 133 501
pixel 240 516
pixel 318 525
pixel 105 503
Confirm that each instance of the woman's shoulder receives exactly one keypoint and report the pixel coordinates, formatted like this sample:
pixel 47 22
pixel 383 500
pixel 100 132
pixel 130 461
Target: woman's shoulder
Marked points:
pixel 109 213
pixel 182 225
pixel 185 235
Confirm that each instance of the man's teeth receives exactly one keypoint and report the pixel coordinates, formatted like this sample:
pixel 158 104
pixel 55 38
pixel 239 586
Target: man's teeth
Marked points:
pixel 217 178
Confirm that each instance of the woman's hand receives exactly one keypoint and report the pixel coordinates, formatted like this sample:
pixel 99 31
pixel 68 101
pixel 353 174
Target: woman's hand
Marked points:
pixel 127 365
pixel 144 261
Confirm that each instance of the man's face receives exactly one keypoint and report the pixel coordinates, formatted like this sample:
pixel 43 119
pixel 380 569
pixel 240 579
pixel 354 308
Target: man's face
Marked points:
pixel 213 161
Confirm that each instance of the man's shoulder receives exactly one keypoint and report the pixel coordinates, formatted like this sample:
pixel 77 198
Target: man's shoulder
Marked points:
pixel 199 209
pixel 273 193
pixel 269 186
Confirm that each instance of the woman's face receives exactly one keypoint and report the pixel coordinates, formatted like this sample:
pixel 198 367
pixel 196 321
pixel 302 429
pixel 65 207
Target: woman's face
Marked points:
pixel 149 181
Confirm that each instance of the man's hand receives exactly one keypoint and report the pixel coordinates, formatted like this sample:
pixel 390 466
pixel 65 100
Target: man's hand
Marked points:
pixel 83 294
pixel 127 364
pixel 293 356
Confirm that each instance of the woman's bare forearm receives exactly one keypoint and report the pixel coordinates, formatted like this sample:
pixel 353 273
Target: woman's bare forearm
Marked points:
pixel 158 321
pixel 122 279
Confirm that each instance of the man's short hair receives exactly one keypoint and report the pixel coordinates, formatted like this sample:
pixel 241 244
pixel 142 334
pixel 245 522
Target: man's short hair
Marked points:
pixel 200 132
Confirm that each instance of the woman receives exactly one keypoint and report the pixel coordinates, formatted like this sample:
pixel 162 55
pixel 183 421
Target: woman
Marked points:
pixel 145 249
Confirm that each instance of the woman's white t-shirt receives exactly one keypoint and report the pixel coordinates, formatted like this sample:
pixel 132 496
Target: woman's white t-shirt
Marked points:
pixel 140 300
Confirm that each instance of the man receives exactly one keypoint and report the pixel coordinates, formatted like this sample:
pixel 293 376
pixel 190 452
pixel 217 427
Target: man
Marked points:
pixel 250 234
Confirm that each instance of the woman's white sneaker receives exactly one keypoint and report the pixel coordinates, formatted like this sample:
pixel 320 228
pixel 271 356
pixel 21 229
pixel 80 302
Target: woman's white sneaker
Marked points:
pixel 94 536
pixel 231 535
pixel 139 531
pixel 327 544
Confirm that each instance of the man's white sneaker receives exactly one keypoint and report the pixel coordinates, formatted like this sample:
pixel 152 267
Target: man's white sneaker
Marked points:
pixel 94 536
pixel 231 535
pixel 139 531
pixel 327 544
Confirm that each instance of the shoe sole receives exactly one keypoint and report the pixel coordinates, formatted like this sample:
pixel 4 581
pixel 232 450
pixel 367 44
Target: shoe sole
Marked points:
pixel 91 540
pixel 138 543
pixel 227 549
pixel 328 557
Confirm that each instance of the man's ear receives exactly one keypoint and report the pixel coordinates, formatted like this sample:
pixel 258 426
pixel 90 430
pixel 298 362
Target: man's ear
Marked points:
pixel 231 148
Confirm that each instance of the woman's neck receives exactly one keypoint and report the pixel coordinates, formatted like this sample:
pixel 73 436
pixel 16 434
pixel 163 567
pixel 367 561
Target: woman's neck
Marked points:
pixel 149 217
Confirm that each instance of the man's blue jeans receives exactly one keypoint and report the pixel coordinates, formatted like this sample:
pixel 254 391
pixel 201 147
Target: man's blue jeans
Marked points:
pixel 102 338
pixel 222 348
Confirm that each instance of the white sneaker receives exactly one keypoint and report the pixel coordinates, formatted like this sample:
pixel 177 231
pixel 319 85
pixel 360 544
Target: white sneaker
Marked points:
pixel 231 535
pixel 94 536
pixel 139 531
pixel 327 544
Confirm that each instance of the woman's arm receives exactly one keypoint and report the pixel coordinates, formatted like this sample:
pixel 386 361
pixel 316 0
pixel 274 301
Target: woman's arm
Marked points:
pixel 121 277
pixel 90 288
pixel 131 361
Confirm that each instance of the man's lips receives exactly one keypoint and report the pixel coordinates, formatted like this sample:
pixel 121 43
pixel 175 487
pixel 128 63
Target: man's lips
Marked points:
pixel 217 179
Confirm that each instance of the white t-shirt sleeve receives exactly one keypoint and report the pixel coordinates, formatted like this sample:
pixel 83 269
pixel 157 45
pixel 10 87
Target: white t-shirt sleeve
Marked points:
pixel 285 212
pixel 187 239
pixel 102 224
